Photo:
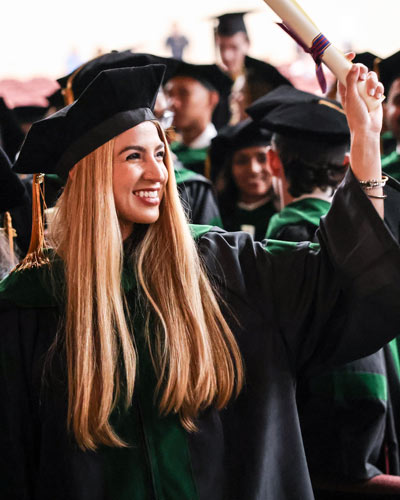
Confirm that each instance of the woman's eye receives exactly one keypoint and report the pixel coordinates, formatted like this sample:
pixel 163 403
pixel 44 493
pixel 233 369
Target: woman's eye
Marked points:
pixel 160 155
pixel 133 156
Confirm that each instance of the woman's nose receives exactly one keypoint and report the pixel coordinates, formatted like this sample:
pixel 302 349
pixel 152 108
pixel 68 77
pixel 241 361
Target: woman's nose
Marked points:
pixel 155 170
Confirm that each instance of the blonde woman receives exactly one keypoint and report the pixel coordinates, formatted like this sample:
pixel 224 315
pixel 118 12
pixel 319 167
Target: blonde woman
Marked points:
pixel 142 360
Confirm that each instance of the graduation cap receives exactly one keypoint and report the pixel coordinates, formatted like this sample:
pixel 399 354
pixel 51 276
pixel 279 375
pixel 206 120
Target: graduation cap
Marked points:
pixel 232 138
pixel 12 191
pixel 294 113
pixel 368 59
pixel 75 83
pixel 389 70
pixel 209 75
pixel 115 101
pixel 231 23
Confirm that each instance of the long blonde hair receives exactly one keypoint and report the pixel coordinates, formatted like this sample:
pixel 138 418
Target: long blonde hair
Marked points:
pixel 194 353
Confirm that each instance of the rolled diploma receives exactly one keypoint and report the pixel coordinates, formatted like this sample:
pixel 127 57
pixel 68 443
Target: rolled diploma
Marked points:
pixel 294 16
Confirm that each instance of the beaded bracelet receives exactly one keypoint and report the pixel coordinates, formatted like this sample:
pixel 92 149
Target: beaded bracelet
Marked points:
pixel 374 183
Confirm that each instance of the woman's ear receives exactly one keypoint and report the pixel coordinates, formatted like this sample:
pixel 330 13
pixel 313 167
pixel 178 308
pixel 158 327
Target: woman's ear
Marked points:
pixel 274 163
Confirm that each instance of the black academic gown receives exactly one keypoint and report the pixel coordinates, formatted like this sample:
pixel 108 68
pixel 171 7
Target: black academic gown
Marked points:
pixel 350 416
pixel 292 313
pixel 197 196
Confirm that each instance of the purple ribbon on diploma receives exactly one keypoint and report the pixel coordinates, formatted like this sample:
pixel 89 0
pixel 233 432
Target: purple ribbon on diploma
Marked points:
pixel 317 49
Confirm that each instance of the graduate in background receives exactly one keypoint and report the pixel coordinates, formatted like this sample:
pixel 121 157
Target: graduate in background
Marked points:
pixel 308 156
pixel 246 198
pixel 390 74
pixel 253 78
pixel 194 91
pixel 196 191
pixel 12 195
pixel 349 416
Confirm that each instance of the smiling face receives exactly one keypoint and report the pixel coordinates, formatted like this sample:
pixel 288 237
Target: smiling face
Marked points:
pixel 251 173
pixel 139 176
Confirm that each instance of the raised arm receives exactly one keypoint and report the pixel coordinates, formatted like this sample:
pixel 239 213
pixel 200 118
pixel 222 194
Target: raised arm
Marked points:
pixel 365 127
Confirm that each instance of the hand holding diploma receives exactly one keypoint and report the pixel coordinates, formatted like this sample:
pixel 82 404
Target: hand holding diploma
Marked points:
pixel 365 127
pixel 298 24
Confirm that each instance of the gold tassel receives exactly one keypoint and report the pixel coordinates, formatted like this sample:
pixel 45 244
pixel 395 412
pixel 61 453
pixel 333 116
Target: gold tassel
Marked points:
pixel 35 256
pixel 10 232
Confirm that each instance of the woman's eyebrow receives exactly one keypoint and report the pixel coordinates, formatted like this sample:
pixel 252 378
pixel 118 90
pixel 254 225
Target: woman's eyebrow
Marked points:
pixel 137 148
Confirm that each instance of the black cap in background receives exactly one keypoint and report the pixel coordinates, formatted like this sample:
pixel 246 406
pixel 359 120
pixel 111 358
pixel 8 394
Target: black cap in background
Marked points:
pixel 209 75
pixel 115 101
pixel 368 59
pixel 231 23
pixel 389 70
pixel 294 113
pixel 80 78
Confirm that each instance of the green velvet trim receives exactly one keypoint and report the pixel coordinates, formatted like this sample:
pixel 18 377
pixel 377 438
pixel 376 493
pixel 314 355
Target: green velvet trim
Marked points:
pixel 189 155
pixel 56 179
pixel 184 175
pixel 198 230
pixel 276 247
pixel 216 221
pixel 391 165
pixel 157 457
pixel 306 210
pixel 351 385
pixel 394 349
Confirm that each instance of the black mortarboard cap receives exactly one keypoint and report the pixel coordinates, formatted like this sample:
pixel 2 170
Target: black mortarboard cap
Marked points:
pixel 231 138
pixel 209 75
pixel 79 79
pixel 231 23
pixel 389 70
pixel 368 59
pixel 115 101
pixel 294 113
pixel 12 191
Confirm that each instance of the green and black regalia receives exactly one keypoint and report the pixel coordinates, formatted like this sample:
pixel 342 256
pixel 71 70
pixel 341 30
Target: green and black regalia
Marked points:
pixel 350 416
pixel 292 312
pixel 391 164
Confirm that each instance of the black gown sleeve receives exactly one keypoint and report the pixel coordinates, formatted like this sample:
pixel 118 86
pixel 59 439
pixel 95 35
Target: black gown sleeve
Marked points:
pixel 24 341
pixel 329 305
pixel 298 232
